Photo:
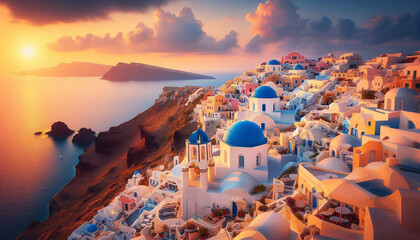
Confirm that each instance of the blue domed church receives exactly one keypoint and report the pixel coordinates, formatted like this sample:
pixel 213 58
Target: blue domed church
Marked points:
pixel 264 110
pixel 227 179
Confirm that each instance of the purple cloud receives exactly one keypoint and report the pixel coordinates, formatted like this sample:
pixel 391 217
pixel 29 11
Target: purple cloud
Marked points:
pixel 277 22
pixel 170 33
pixel 41 12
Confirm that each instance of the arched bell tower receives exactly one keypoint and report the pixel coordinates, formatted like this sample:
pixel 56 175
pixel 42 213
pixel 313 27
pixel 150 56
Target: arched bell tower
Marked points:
pixel 199 162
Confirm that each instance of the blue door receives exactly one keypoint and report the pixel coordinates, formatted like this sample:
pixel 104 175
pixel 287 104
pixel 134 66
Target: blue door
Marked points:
pixel 263 126
pixel 234 208
pixel 314 202
pixel 290 147
pixel 310 143
pixel 263 107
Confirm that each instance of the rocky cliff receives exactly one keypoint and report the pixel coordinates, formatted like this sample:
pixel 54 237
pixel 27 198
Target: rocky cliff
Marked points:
pixel 142 72
pixel 144 142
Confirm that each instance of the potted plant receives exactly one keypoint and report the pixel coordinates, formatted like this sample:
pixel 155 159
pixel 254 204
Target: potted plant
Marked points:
pixel 203 232
pixel 263 208
pixel 217 213
pixel 241 213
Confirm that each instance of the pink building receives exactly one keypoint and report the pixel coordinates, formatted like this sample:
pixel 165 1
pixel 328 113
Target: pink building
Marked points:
pixel 233 102
pixel 128 202
pixel 249 88
pixel 294 58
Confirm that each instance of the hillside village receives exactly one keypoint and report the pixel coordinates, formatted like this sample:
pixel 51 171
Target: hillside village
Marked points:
pixel 292 149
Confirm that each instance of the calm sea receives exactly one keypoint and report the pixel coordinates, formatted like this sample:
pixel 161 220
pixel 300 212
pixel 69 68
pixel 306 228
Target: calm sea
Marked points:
pixel 34 168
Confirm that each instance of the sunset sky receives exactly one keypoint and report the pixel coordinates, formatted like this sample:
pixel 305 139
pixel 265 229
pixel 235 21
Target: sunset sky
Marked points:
pixel 199 35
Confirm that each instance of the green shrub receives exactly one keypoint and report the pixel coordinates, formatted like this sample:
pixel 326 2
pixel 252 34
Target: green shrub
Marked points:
pixel 258 189
pixel 263 208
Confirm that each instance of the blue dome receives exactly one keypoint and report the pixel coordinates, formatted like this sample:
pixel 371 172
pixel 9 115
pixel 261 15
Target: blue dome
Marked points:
pixel 199 137
pixel 264 92
pixel 92 228
pixel 298 67
pixel 244 134
pixel 273 62
pixel 136 172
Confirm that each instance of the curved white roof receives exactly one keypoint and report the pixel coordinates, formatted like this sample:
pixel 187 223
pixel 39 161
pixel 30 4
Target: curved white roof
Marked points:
pixel 401 92
pixel 240 180
pixel 344 139
pixel 380 170
pixel 270 225
pixel 176 170
pixel 333 163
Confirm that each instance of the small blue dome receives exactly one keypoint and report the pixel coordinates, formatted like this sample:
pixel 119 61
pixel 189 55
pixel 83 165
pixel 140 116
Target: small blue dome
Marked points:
pixel 264 92
pixel 92 228
pixel 298 67
pixel 273 62
pixel 244 134
pixel 199 137
pixel 136 172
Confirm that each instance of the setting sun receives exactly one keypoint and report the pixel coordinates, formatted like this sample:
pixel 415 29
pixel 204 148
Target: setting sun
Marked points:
pixel 28 51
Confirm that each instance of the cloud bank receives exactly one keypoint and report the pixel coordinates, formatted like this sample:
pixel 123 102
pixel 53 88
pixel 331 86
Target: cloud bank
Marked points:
pixel 277 22
pixel 41 12
pixel 170 33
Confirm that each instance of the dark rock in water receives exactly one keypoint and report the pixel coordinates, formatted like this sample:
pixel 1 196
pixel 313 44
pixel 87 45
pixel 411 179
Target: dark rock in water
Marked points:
pixel 84 137
pixel 38 133
pixel 59 130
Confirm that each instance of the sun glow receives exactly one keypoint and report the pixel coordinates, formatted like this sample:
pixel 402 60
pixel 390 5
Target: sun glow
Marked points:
pixel 28 51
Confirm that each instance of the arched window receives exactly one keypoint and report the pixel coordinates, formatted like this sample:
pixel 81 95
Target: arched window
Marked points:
pixel 203 152
pixel 241 163
pixel 258 159
pixel 194 153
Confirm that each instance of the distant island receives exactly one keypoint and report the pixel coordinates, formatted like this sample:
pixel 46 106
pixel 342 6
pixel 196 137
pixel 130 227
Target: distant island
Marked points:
pixel 143 72
pixel 73 69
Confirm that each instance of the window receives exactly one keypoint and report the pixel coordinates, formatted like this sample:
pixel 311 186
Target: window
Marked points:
pixel 203 152
pixel 418 85
pixel 274 107
pixel 135 194
pixel 258 159
pixel 400 105
pixel 241 161
pixel 408 72
pixel 263 126
pixel 194 153
pixel 369 123
pixel 407 85
pixel 296 81
pixel 263 107
pixel 253 107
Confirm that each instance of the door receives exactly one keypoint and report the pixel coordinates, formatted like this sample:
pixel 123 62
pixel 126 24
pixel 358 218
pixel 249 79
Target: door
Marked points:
pixel 290 147
pixel 314 202
pixel 234 208
pixel 263 126
pixel 241 161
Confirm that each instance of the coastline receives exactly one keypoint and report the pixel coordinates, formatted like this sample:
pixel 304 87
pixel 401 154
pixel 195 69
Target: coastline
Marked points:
pixel 138 144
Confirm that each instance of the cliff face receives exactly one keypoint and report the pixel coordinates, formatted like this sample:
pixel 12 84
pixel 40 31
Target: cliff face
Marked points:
pixel 102 172
pixel 142 72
